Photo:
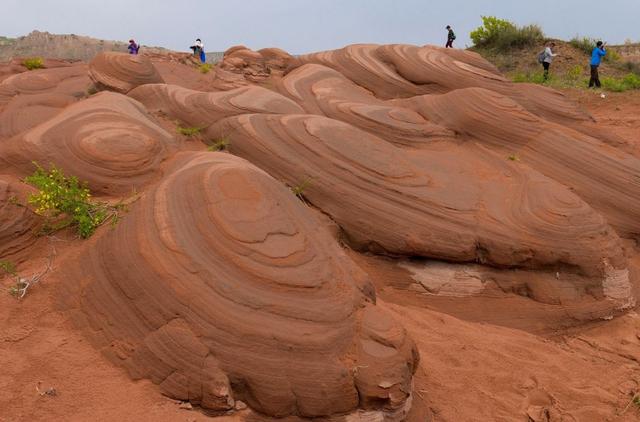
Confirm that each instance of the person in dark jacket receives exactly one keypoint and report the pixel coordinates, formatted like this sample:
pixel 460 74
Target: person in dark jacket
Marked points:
pixel 450 37
pixel 133 47
pixel 596 58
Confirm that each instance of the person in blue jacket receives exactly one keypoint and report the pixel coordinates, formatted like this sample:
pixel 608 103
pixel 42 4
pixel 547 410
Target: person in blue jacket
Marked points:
pixel 596 58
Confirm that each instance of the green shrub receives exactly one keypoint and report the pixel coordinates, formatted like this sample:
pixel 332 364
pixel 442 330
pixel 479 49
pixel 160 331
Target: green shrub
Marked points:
pixel 33 63
pixel 575 74
pixel 587 44
pixel 92 90
pixel 205 68
pixel 529 77
pixel 219 145
pixel 8 268
pixel 632 81
pixel 188 131
pixel 629 82
pixel 65 202
pixel 584 44
pixel 503 35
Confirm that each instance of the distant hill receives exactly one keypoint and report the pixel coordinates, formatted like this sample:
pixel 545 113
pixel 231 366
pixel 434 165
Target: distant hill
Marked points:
pixel 69 47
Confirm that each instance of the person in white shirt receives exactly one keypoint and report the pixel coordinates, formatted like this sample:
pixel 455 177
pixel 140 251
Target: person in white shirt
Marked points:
pixel 198 50
pixel 548 59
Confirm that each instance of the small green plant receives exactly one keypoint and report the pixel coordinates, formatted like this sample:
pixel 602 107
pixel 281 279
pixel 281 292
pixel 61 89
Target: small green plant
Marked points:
pixel 300 188
pixel 8 267
pixel 188 131
pixel 513 157
pixel 205 68
pixel 529 77
pixel 33 63
pixel 92 90
pixel 66 202
pixel 219 145
pixel 503 35
pixel 575 73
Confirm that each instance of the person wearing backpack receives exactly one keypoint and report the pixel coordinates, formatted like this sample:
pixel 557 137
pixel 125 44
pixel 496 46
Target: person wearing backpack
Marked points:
pixel 596 58
pixel 450 37
pixel 546 57
pixel 133 47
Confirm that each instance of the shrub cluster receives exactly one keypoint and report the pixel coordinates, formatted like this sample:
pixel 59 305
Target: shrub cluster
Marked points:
pixel 503 35
pixel 65 201
pixel 33 63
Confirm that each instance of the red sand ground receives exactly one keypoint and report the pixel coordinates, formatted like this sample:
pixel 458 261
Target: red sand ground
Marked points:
pixel 524 360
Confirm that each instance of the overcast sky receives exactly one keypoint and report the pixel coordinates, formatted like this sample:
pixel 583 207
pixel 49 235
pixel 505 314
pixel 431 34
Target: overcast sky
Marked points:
pixel 300 26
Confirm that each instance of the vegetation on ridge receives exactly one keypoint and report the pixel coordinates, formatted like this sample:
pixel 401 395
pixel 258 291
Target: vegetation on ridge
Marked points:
pixel 503 35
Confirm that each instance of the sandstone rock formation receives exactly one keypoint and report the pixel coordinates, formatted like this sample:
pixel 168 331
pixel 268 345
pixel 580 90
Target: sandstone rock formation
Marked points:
pixel 70 80
pixel 388 202
pixel 223 286
pixel 220 286
pixel 202 109
pixel 122 72
pixel 18 225
pixel 108 140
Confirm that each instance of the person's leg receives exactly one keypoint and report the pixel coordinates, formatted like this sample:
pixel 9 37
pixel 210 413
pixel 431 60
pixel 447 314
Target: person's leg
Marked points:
pixel 592 80
pixel 546 65
pixel 597 79
pixel 449 44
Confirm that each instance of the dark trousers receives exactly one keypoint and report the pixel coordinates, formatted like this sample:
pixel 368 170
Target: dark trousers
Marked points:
pixel 595 77
pixel 546 65
pixel 449 44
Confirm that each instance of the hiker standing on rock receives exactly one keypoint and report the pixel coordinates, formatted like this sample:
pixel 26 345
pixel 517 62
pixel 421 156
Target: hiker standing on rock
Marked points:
pixel 596 58
pixel 133 47
pixel 450 37
pixel 546 58
pixel 198 50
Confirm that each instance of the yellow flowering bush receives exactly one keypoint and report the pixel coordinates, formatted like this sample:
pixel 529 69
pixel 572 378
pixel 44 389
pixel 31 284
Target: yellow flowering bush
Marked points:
pixel 65 201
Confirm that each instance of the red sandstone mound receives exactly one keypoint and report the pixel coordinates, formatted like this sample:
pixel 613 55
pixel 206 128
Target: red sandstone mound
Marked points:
pixel 69 80
pixel 203 109
pixel 108 140
pixel 326 92
pixel 385 201
pixel 122 72
pixel 604 177
pixel 27 111
pixel 18 225
pixel 255 65
pixel 221 286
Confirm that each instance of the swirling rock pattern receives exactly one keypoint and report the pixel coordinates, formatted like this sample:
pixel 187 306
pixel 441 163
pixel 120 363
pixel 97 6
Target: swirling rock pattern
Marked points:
pixel 122 72
pixel 221 286
pixel 604 177
pixel 69 80
pixel 387 201
pixel 18 225
pixel 108 140
pixel 27 111
pixel 403 71
pixel 202 109
pixel 326 92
